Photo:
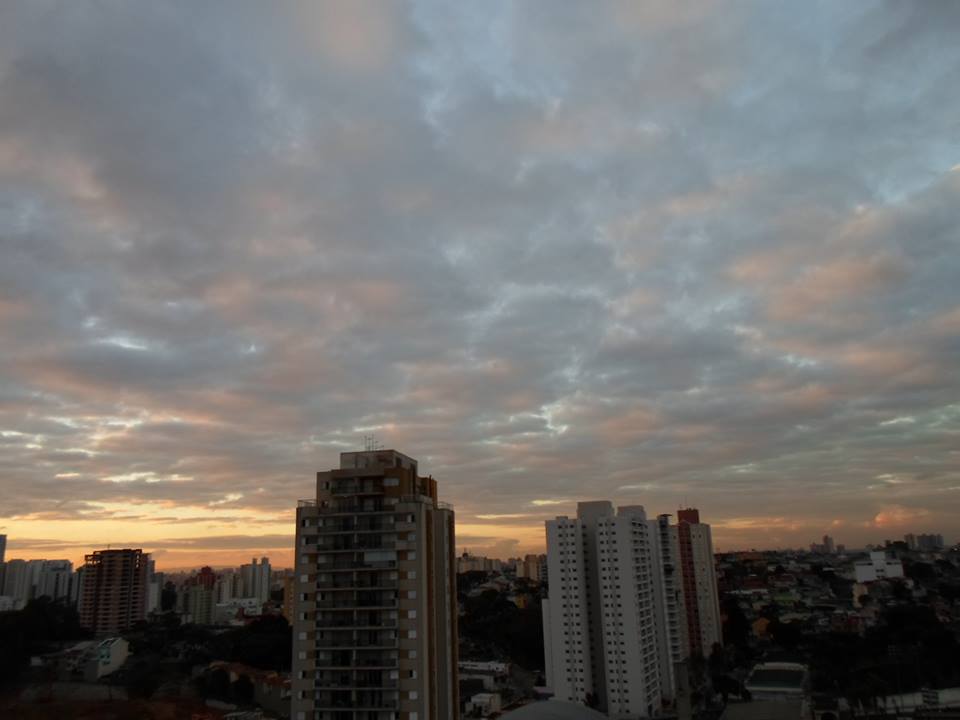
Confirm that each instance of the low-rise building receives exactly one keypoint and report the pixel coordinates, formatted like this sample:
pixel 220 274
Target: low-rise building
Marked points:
pixel 483 705
pixel 878 567
pixel 780 681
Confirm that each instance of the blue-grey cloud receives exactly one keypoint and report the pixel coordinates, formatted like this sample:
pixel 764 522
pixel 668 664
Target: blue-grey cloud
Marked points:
pixel 701 254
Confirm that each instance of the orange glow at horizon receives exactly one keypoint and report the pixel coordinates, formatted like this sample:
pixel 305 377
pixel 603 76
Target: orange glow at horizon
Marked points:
pixel 194 542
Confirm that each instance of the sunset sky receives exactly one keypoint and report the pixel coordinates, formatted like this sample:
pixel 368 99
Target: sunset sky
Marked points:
pixel 664 253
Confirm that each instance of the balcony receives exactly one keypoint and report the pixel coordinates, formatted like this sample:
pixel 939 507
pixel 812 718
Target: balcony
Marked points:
pixel 344 565
pixel 356 700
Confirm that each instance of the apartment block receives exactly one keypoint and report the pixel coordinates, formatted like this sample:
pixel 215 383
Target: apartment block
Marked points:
pixel 671 607
pixel 114 591
pixel 375 609
pixel 699 577
pixel 606 622
pixel 255 579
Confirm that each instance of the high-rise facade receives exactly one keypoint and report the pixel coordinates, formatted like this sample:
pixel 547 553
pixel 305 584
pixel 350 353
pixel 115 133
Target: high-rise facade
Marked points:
pixel 375 606
pixel 699 577
pixel 55 579
pixel 114 591
pixel 3 548
pixel 672 609
pixel 607 630
pixel 255 579
pixel 17 582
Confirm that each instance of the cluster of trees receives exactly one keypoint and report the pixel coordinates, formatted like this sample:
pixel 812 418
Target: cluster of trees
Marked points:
pixel 266 643
pixel 40 627
pixel 217 685
pixel 908 650
pixel 493 626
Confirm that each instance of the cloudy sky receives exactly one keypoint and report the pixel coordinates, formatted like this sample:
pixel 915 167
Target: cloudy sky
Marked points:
pixel 666 254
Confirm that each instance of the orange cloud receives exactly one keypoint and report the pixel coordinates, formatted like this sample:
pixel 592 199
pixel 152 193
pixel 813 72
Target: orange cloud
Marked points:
pixel 898 516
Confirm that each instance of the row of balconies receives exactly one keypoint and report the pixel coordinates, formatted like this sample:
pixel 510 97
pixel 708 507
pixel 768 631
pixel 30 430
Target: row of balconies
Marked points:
pixel 347 603
pixel 356 700
pixel 357 659
pixel 344 621
pixel 347 543
pixel 361 524
pixel 357 486
pixel 337 564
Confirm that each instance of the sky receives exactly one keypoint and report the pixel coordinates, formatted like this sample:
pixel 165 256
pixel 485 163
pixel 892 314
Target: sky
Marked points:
pixel 660 253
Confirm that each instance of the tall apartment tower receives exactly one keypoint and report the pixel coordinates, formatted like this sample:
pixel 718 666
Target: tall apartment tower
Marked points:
pixel 3 548
pixel 375 603
pixel 256 579
pixel 606 628
pixel 114 592
pixel 699 576
pixel 672 610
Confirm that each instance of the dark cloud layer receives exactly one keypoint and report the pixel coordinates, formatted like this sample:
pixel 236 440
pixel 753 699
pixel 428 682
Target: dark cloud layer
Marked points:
pixel 703 254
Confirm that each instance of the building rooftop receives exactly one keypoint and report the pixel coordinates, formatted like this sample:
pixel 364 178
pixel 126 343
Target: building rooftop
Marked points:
pixel 763 710
pixel 554 710
pixel 777 678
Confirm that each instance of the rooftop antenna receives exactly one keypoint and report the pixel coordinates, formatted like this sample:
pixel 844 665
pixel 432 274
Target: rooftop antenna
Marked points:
pixel 371 444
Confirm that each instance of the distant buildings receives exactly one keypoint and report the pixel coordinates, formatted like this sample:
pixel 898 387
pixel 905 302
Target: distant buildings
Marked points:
pixel 929 543
pixel 3 548
pixel 826 547
pixel 878 567
pixel 196 603
pixel 255 579
pixel 477 563
pixel 375 609
pixel 533 567
pixel 24 580
pixel 113 596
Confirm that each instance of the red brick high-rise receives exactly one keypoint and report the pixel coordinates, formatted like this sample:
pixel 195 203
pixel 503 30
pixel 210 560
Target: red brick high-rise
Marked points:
pixel 699 577
pixel 114 593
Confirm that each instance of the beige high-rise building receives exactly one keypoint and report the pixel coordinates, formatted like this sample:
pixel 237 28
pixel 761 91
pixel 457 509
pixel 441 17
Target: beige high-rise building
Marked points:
pixel 375 604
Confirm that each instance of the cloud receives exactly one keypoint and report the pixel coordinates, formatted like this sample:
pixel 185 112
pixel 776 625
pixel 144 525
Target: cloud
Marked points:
pixel 555 253
pixel 898 516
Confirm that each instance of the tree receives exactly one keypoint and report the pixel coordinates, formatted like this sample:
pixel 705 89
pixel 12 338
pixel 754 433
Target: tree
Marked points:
pixel 215 684
pixel 736 627
pixel 786 635
pixel 34 630
pixel 141 677
pixel 243 690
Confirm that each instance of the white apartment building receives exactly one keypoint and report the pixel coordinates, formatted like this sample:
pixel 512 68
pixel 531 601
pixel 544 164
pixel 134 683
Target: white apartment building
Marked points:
pixel 878 567
pixel 608 635
pixel 255 579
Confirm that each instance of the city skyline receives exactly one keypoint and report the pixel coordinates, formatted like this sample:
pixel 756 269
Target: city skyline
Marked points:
pixel 701 255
